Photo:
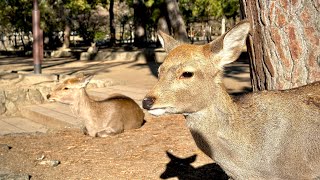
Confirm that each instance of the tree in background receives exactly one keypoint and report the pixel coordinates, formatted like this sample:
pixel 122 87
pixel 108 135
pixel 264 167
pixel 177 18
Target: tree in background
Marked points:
pixel 140 20
pixel 15 17
pixel 111 23
pixel 176 20
pixel 195 10
pixel 98 19
pixel 86 20
pixel 284 43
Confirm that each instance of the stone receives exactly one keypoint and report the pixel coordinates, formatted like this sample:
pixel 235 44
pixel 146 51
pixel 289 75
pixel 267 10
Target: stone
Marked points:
pixel 35 97
pixel 16 94
pixel 3 108
pixel 4 148
pixel 9 76
pixel 11 108
pixel 2 97
pixel 85 56
pixel 61 53
pixel 35 79
pixel 14 176
pixel 51 163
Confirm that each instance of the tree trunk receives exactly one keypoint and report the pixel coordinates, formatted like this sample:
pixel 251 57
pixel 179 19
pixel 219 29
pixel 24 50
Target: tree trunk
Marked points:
pixel 284 43
pixel 176 21
pixel 66 36
pixel 163 25
pixel 223 25
pixel 22 41
pixel 111 20
pixel 140 19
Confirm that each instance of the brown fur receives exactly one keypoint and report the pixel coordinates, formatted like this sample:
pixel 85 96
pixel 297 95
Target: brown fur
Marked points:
pixel 102 118
pixel 263 135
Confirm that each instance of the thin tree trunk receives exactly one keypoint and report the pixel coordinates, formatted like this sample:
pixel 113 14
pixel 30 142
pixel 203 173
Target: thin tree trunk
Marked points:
pixel 22 41
pixel 223 25
pixel 163 21
pixel 284 43
pixel 66 36
pixel 176 21
pixel 111 20
pixel 163 25
pixel 140 36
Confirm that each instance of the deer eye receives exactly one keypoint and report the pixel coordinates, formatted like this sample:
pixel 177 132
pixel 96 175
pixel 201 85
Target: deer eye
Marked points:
pixel 185 75
pixel 65 88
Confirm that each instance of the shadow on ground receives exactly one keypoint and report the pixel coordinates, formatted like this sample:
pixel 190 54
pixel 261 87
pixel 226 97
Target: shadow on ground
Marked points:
pixel 147 58
pixel 183 170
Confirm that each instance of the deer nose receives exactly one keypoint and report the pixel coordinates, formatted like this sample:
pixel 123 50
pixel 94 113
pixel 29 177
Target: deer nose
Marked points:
pixel 48 96
pixel 147 102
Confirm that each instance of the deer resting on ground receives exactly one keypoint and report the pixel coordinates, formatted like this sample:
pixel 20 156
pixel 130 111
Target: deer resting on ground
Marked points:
pixel 101 118
pixel 260 135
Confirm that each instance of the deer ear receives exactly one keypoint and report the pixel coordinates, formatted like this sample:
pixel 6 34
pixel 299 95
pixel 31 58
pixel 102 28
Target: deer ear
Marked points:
pixel 84 81
pixel 233 42
pixel 169 155
pixel 191 159
pixel 167 42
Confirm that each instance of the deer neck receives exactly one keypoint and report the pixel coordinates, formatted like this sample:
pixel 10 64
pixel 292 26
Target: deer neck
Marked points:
pixel 81 103
pixel 221 112
pixel 212 126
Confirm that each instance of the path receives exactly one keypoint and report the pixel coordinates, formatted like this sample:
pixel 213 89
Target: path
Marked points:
pixel 138 154
pixel 132 78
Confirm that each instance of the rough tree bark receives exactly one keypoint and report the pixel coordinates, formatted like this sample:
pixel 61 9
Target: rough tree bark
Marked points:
pixel 284 42
pixel 176 21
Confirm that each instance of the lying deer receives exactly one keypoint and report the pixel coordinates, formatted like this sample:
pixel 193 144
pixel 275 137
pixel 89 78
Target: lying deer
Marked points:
pixel 102 118
pixel 261 135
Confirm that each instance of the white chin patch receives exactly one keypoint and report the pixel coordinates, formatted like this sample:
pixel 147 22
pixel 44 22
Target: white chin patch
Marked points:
pixel 157 112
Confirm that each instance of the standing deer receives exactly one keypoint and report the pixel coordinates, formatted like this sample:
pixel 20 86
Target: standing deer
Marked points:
pixel 261 135
pixel 102 118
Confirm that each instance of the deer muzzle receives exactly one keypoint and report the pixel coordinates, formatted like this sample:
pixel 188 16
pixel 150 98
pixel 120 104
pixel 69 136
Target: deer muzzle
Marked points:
pixel 148 102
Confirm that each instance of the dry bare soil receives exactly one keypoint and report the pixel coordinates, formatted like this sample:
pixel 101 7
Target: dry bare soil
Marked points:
pixel 135 154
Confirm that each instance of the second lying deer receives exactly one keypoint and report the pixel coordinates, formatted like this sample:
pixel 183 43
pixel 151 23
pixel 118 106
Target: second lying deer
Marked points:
pixel 102 118
pixel 262 135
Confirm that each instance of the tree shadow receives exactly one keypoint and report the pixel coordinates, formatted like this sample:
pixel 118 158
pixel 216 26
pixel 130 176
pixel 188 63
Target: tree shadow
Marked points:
pixel 183 170
pixel 148 54
pixel 240 66
pixel 151 61
pixel 243 91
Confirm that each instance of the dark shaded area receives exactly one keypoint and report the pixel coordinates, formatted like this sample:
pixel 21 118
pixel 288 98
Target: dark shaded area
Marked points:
pixel 151 60
pixel 183 170
pixel 19 53
pixel 238 67
pixel 242 92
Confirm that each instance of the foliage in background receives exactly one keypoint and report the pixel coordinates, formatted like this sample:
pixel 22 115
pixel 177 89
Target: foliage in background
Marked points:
pixel 89 18
pixel 195 10
pixel 15 15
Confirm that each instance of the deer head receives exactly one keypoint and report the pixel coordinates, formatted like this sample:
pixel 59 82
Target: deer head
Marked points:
pixel 192 74
pixel 68 90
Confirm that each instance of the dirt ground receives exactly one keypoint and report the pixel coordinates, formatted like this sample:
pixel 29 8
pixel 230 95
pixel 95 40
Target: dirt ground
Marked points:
pixel 140 154
pixel 134 154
